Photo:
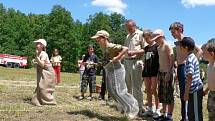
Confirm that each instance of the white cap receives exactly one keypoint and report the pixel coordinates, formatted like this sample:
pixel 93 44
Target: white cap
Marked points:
pixel 102 33
pixel 157 33
pixel 42 41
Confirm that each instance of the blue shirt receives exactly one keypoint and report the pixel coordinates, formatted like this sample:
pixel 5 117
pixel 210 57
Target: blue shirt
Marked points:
pixel 192 67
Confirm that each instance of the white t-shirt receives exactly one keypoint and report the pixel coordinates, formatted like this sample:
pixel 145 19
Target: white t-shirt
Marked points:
pixel 56 60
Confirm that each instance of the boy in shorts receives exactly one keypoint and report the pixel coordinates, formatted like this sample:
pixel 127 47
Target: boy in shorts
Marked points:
pixel 165 75
pixel 209 55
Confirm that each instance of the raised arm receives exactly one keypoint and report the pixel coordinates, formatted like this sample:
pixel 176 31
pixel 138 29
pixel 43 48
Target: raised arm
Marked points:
pixel 198 52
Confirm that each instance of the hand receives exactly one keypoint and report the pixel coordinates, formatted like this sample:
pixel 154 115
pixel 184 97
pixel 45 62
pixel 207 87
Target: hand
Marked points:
pixel 167 77
pixel 34 61
pixel 131 53
pixel 205 92
pixel 115 59
pixel 37 53
pixel 186 97
pixel 85 63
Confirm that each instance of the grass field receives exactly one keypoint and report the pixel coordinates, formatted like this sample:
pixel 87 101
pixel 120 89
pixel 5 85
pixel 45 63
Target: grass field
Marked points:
pixel 17 86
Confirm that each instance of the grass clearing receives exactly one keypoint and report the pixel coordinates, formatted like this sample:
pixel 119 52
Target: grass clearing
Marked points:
pixel 17 87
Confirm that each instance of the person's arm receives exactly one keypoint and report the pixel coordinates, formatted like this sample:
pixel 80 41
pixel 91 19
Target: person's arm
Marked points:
pixel 40 60
pixel 169 51
pixel 84 62
pixel 175 69
pixel 189 70
pixel 96 61
pixel 198 52
pixel 60 59
pixel 187 86
pixel 206 91
pixel 52 60
pixel 136 52
pixel 121 54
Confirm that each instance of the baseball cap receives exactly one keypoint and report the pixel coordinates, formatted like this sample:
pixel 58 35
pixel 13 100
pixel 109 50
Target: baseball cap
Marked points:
pixel 187 42
pixel 42 41
pixel 100 33
pixel 157 33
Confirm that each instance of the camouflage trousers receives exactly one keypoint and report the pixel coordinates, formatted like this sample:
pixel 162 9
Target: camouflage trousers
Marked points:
pixel 211 106
pixel 88 80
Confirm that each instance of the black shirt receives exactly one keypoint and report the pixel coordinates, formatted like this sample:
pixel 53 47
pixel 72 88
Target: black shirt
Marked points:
pixel 90 69
pixel 151 61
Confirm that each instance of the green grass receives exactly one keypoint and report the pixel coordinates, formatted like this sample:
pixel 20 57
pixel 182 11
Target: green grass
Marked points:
pixel 14 74
pixel 17 87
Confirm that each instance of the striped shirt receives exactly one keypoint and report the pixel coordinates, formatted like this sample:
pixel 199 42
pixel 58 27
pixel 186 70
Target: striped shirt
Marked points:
pixel 192 67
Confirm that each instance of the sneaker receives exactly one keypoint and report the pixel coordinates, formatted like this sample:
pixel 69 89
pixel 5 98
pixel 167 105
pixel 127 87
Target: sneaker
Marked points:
pixel 110 102
pixel 184 120
pixel 141 112
pixel 119 108
pixel 167 119
pixel 177 95
pixel 156 114
pixel 81 98
pixel 148 113
pixel 101 97
pixel 160 118
pixel 89 98
pixel 131 116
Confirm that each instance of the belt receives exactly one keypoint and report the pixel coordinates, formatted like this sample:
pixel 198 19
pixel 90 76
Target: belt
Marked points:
pixel 132 58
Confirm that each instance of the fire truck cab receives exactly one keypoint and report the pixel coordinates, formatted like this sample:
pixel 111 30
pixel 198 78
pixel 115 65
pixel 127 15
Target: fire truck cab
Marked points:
pixel 13 61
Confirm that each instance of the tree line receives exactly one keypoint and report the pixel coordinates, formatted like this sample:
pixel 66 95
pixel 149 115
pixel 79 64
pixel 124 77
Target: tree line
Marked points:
pixel 61 31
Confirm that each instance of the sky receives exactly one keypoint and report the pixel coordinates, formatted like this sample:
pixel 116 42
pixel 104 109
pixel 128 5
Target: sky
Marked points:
pixel 198 16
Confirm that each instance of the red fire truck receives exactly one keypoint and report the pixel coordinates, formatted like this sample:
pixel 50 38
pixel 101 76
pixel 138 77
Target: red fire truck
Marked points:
pixel 13 61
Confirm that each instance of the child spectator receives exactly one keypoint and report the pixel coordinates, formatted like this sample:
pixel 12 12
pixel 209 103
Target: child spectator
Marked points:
pixel 150 71
pixel 193 86
pixel 89 76
pixel 56 63
pixel 165 75
pixel 209 55
pixel 81 68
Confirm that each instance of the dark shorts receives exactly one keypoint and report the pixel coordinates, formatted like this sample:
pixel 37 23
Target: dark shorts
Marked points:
pixel 150 73
pixel 88 79
pixel 166 88
pixel 211 106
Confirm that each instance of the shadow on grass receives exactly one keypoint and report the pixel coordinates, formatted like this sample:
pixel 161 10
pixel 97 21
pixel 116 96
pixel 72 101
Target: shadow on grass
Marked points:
pixel 27 100
pixel 91 114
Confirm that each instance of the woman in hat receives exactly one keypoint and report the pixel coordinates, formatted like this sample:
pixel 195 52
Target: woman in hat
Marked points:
pixel 43 94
